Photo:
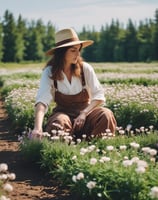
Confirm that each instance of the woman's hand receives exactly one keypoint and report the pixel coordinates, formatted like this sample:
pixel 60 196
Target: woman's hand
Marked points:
pixel 79 121
pixel 36 134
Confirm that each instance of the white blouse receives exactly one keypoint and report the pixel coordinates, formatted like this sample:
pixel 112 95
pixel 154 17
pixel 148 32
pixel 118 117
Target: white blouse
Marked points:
pixel 46 89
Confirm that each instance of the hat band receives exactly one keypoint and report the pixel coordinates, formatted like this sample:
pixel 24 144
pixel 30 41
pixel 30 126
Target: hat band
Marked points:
pixel 66 41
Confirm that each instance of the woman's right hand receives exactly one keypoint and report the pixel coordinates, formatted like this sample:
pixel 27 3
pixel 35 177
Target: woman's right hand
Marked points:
pixel 36 134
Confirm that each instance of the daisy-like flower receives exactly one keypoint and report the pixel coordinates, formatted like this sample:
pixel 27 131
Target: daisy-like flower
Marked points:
pixel 152 152
pixel 134 145
pixel 123 147
pixel 80 176
pixel 8 187
pixel 110 148
pixel 91 184
pixel 93 161
pixel 127 163
pixel 104 159
pixel 154 192
pixel 3 167
pixel 140 170
pixel 74 179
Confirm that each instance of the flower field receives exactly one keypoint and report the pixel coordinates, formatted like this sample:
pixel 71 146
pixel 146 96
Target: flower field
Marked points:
pixel 106 168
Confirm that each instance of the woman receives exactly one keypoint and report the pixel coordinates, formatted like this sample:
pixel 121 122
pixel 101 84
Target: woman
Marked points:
pixel 73 85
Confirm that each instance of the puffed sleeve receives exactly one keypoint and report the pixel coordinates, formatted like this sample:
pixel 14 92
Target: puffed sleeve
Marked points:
pixel 45 91
pixel 95 88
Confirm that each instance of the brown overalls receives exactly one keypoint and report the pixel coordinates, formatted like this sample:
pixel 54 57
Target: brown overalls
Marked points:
pixel 68 107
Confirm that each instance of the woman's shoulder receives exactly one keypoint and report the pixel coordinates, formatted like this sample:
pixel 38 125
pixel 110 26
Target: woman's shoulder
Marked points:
pixel 87 66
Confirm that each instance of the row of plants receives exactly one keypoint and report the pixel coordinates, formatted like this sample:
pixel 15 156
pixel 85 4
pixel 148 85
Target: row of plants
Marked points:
pixel 109 168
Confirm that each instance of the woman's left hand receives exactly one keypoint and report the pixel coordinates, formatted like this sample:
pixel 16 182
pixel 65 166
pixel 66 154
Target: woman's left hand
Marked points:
pixel 79 122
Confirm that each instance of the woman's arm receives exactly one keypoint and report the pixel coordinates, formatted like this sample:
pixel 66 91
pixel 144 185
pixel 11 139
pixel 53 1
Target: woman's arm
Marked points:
pixel 40 110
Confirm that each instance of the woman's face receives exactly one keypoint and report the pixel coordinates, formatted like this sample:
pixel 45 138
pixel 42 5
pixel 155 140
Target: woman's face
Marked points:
pixel 72 54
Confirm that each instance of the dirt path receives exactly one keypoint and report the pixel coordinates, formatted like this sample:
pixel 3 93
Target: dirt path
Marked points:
pixel 31 183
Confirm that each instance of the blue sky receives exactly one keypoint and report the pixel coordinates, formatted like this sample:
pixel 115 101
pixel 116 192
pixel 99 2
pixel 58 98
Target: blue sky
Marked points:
pixel 79 13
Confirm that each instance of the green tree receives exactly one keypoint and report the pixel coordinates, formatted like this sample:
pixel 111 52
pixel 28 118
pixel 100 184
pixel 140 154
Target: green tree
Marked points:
pixel 144 36
pixel 155 37
pixel 20 42
pixel 131 43
pixel 9 39
pixel 34 44
pixel 49 40
pixel 1 41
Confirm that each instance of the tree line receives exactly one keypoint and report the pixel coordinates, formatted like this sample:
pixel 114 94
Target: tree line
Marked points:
pixel 22 40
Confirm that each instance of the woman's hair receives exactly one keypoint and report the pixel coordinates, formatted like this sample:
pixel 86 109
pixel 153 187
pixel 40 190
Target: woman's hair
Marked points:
pixel 57 64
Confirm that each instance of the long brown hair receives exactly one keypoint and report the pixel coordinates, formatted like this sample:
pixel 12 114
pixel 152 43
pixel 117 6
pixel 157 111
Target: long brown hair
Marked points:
pixel 57 63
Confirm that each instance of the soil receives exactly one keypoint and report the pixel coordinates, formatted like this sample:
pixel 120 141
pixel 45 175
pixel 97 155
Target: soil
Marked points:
pixel 31 182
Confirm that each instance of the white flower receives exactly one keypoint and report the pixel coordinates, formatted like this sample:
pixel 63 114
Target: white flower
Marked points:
pixel 78 141
pixel 142 163
pixel 80 176
pixel 152 152
pixel 134 145
pixel 93 161
pixel 99 195
pixel 104 159
pixel 123 147
pixel 83 151
pixel 127 163
pixel 91 148
pixel 3 167
pixel 110 148
pixel 140 170
pixel 135 159
pixel 91 184
pixel 2 197
pixel 74 157
pixel 154 192
pixel 8 187
pixel 74 178
pixel 146 149
pixel 11 176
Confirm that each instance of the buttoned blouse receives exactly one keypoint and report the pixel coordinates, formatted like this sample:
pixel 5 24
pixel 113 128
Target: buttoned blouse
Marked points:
pixel 46 89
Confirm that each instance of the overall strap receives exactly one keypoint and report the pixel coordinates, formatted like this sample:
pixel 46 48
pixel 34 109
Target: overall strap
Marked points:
pixel 82 77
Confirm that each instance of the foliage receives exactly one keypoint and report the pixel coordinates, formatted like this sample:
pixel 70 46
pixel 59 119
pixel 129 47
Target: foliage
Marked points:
pixel 102 169
pixel 23 40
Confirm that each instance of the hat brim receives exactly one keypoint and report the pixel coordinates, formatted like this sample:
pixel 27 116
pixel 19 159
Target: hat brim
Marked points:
pixel 85 43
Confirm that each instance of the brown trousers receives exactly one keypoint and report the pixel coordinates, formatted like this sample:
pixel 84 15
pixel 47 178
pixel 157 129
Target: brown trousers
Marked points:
pixel 69 107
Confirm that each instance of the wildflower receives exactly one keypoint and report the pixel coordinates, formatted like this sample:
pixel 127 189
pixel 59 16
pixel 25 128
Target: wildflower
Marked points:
pixel 8 187
pixel 91 148
pixel 140 170
pixel 74 157
pixel 146 149
pixel 104 159
pixel 74 178
pixel 121 132
pixel 78 141
pixel 83 151
pixel 127 163
pixel 152 152
pixel 93 161
pixel 154 192
pixel 2 197
pixel 80 176
pixel 99 195
pixel 55 138
pixel 142 163
pixel 135 159
pixel 123 147
pixel 11 176
pixel 110 148
pixel 91 184
pixel 134 145
pixel 3 167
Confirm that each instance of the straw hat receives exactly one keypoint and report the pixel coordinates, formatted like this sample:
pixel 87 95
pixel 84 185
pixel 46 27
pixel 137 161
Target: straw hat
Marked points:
pixel 67 37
